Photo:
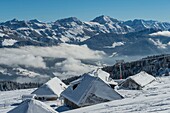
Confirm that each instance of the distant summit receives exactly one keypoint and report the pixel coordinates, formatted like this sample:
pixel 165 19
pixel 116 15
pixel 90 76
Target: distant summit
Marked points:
pixel 140 24
pixel 105 19
pixel 35 20
pixel 69 20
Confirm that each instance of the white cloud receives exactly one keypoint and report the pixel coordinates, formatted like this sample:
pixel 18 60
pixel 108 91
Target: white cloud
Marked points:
pixel 72 67
pixel 32 56
pixel 65 51
pixel 21 59
pixel 161 33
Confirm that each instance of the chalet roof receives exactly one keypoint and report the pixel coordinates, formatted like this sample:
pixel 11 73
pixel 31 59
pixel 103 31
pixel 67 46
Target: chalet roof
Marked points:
pixel 53 87
pixel 103 75
pixel 32 106
pixel 79 90
pixel 142 78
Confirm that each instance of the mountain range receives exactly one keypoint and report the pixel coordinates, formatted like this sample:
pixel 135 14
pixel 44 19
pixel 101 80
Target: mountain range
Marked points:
pixel 34 51
pixel 102 33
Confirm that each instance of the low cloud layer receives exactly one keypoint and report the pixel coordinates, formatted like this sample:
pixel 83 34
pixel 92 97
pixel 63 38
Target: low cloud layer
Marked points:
pixel 65 51
pixel 72 67
pixel 21 59
pixel 33 56
pixel 161 33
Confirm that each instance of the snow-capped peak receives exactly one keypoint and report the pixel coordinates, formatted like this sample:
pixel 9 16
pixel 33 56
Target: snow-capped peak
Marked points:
pixel 35 21
pixel 14 20
pixel 69 20
pixel 105 19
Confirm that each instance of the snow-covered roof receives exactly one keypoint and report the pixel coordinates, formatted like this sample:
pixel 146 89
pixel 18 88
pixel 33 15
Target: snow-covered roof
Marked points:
pixel 103 75
pixel 142 78
pixel 32 106
pixel 53 87
pixel 79 91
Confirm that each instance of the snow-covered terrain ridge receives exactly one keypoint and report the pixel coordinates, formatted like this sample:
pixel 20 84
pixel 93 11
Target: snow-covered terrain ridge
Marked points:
pixel 102 33
pixel 130 44
pixel 26 73
pixel 159 44
pixel 139 24
pixel 35 32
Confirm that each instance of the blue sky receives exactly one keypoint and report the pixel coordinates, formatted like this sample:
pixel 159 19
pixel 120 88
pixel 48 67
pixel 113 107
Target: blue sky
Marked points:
pixel 85 10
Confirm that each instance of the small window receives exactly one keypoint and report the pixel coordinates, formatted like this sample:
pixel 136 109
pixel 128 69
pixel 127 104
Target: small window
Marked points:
pixel 75 86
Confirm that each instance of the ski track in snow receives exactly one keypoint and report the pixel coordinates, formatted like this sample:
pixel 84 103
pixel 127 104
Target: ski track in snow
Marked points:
pixel 154 98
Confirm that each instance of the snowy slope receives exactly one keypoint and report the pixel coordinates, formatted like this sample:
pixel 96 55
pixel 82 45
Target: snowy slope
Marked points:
pixel 10 99
pixel 153 98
